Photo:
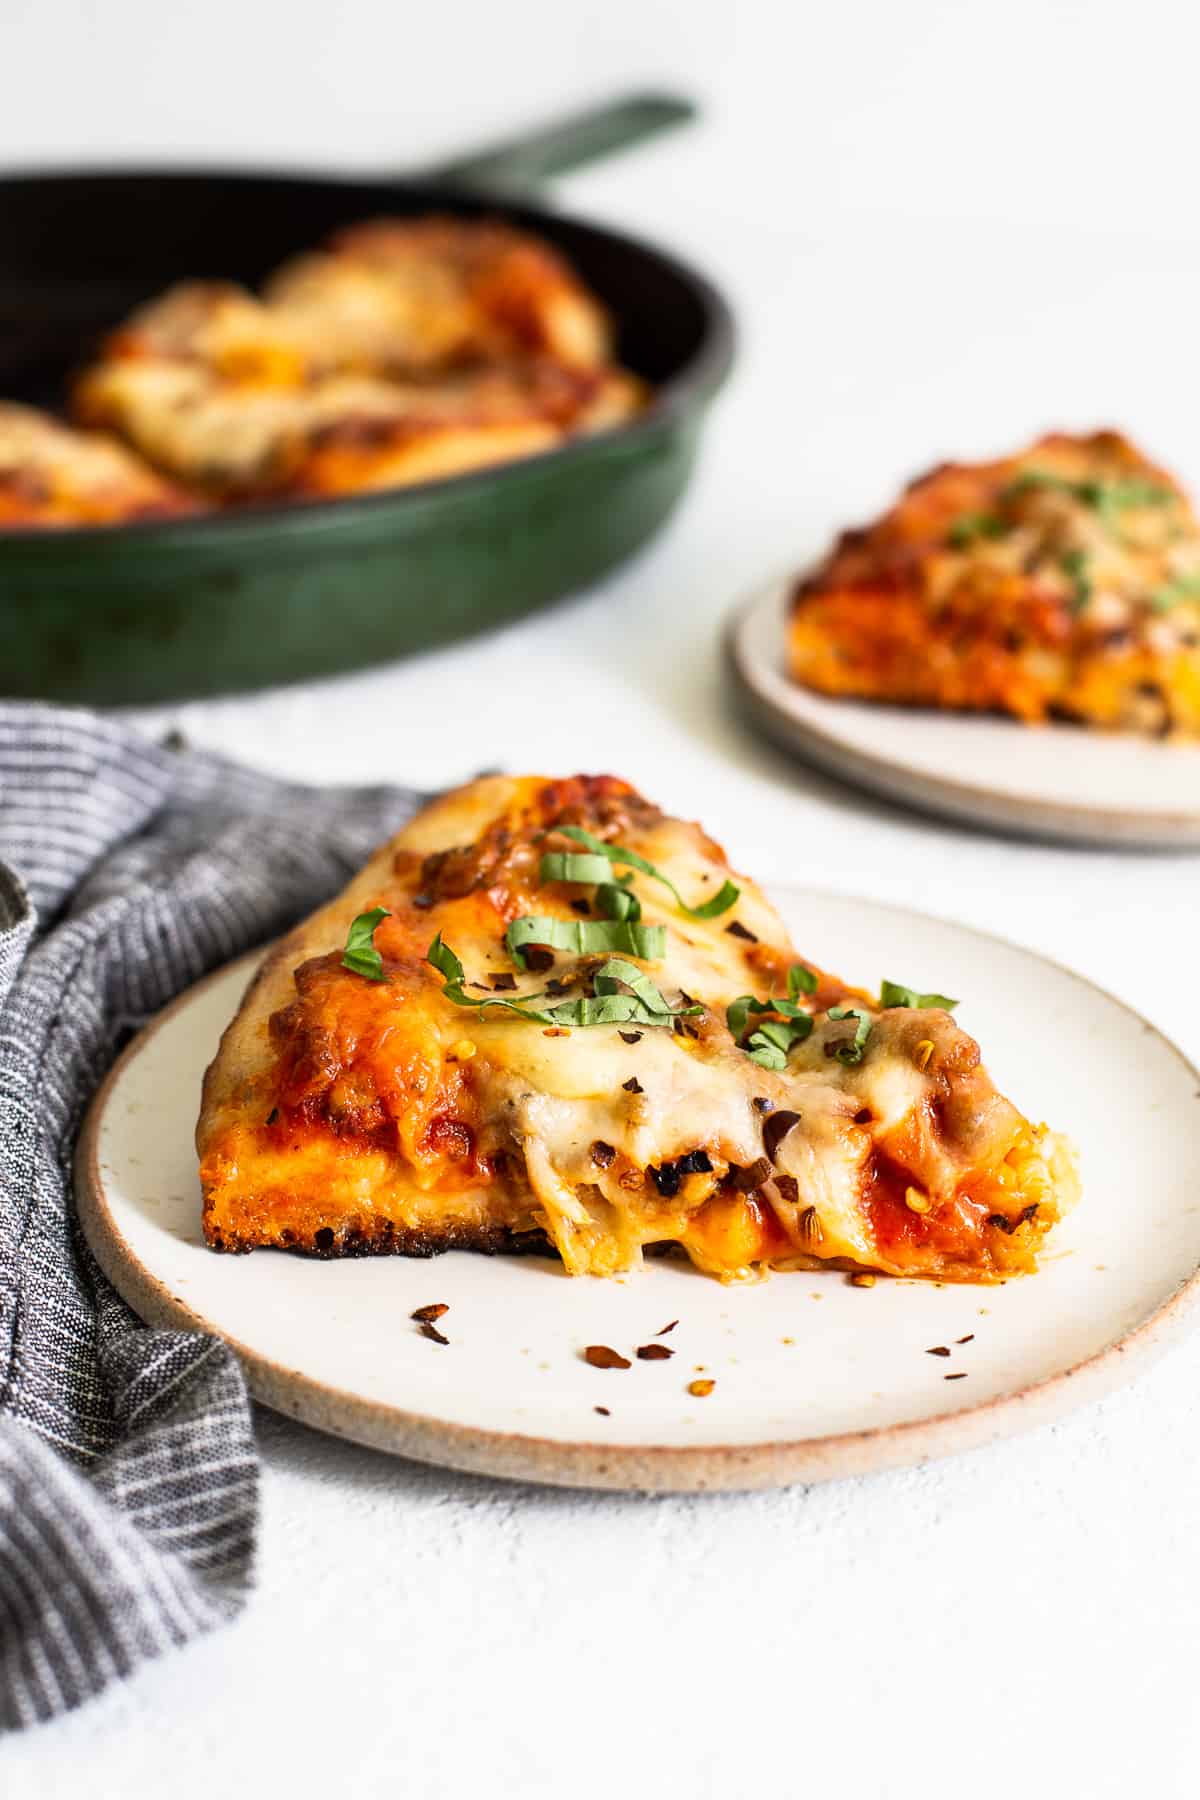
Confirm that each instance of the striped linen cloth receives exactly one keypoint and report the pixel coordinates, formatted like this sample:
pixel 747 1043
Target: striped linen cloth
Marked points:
pixel 128 1478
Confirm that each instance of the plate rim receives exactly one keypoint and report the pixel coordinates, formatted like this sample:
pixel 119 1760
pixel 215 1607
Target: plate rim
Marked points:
pixel 1021 816
pixel 662 1468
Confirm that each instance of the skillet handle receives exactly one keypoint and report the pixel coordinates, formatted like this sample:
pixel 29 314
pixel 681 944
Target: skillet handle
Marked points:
pixel 520 164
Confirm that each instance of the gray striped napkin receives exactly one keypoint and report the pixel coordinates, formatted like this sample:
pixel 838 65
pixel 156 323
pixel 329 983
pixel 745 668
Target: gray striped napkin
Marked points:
pixel 128 1479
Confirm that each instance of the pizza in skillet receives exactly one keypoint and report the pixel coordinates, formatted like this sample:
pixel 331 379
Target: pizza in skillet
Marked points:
pixel 404 351
pixel 1063 582
pixel 548 1014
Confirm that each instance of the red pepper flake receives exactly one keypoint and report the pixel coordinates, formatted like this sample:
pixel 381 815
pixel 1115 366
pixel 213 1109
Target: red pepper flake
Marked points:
pixel 583 909
pixel 1008 1226
pixel 272 1115
pixel 666 1328
pixel 630 1037
pixel 432 1333
pixel 961 1376
pixel 751 1178
pixel 556 1031
pixel 633 1086
pixel 654 1352
pixel 603 1155
pixel 602 1357
pixel 539 958
pixel 737 929
pixel 435 1310
pixel 938 1350
pixel 761 1103
pixel 789 1188
pixel 603 1409
pixel 701 1389
pixel 503 984
pixel 966 1340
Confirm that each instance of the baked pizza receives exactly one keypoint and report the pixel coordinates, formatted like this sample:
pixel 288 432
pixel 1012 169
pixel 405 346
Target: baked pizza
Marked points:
pixel 1063 582
pixel 547 1014
pixel 52 477
pixel 315 392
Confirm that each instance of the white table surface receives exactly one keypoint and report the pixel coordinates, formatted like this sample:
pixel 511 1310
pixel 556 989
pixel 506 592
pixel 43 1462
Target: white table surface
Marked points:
pixel 944 228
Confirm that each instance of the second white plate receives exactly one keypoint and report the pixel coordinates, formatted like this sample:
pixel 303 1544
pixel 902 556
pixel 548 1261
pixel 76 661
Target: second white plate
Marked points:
pixel 813 1376
pixel 1052 781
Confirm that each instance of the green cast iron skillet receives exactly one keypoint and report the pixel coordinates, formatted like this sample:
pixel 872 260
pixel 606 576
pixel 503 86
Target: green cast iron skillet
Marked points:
pixel 143 612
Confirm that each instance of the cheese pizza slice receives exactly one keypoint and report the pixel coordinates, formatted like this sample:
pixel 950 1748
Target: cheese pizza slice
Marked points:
pixel 547 1014
pixel 1062 582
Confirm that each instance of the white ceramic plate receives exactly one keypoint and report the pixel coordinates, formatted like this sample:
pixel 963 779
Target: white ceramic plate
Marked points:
pixel 1053 781
pixel 813 1377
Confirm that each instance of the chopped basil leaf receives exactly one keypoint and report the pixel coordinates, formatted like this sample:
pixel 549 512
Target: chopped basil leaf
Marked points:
pixel 643 1005
pixel 721 901
pixel 586 937
pixel 769 1044
pixel 1108 498
pixel 1074 563
pixel 560 865
pixel 970 526
pixel 616 902
pixel 1183 587
pixel 1132 491
pixel 445 962
pixel 737 1013
pixel 894 993
pixel 852 1051
pixel 616 971
pixel 360 955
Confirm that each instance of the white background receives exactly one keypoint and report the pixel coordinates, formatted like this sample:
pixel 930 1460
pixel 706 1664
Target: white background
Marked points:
pixel 945 227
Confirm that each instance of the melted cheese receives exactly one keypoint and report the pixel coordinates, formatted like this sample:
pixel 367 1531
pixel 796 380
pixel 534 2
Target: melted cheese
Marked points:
pixel 353 1103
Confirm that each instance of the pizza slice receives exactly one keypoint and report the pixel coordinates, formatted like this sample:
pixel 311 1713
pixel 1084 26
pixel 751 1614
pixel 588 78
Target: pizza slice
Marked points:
pixel 52 477
pixel 547 1014
pixel 1060 582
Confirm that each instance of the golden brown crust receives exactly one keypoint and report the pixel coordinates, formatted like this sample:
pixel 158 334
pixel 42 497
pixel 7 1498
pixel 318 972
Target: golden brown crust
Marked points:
pixel 1060 582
